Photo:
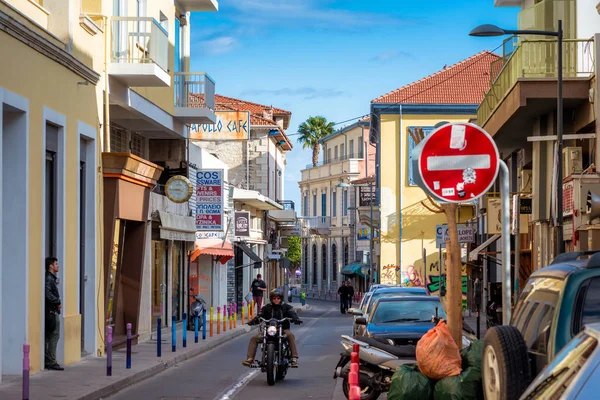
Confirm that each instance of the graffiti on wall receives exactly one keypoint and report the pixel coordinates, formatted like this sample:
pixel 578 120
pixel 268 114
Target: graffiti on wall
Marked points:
pixel 390 274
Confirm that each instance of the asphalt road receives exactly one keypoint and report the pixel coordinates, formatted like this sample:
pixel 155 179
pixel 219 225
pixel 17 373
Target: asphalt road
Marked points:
pixel 219 375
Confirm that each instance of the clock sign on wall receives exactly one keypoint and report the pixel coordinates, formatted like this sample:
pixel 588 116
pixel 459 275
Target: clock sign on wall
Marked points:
pixel 178 189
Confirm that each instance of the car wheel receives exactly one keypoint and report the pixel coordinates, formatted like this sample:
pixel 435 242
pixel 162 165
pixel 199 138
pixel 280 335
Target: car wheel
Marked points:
pixel 505 364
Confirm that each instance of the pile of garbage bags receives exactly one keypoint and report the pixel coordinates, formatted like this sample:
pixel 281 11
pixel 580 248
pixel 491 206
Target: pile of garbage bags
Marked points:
pixel 442 371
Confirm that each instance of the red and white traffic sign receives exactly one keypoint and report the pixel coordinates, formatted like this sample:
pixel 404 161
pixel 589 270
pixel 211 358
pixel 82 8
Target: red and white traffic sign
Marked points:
pixel 458 162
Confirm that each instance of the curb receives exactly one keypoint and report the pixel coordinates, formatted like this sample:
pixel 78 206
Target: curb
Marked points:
pixel 303 308
pixel 125 382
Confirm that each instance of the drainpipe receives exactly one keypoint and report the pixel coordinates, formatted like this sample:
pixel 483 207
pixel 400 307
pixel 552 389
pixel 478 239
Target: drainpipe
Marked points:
pixel 400 188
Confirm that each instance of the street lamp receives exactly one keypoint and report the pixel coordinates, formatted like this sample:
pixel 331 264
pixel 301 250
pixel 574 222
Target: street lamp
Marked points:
pixel 493 30
pixel 370 186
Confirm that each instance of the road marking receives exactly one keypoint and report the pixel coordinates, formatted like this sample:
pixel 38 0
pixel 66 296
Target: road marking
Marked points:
pixel 238 386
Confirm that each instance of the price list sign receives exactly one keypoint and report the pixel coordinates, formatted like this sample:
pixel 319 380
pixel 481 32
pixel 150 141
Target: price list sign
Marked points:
pixel 209 200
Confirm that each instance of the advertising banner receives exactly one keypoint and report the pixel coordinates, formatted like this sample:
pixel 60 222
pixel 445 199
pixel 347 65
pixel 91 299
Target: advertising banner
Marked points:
pixel 209 200
pixel 230 125
pixel 242 223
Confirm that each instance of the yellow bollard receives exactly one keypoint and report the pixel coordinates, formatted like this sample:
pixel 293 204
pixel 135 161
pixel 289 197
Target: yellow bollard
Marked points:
pixel 211 322
pixel 218 320
pixel 225 319
pixel 243 312
pixel 230 316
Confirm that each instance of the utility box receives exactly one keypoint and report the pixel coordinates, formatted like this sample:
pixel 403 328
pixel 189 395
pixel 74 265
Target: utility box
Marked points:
pixel 572 161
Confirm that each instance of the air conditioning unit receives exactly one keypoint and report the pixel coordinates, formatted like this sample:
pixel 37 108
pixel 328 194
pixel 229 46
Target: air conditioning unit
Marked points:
pixel 575 190
pixel 526 181
pixel 572 161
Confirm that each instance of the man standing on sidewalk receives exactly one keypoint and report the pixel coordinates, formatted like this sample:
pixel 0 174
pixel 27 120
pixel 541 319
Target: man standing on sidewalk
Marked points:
pixel 258 287
pixel 350 293
pixel 343 292
pixel 53 307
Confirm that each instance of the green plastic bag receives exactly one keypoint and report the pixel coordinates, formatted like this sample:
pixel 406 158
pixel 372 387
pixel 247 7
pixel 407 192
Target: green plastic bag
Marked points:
pixel 472 385
pixel 473 355
pixel 408 383
pixel 449 388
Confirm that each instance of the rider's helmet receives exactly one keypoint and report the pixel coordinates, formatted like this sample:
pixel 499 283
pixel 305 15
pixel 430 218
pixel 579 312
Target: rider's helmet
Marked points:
pixel 275 293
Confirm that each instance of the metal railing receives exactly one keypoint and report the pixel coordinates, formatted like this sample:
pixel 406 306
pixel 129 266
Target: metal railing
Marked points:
pixel 544 16
pixel 537 59
pixel 355 156
pixel 316 222
pixel 194 89
pixel 139 40
pixel 287 204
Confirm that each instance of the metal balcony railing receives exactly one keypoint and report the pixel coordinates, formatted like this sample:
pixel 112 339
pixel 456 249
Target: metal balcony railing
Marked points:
pixel 194 89
pixel 316 222
pixel 139 40
pixel 287 204
pixel 537 59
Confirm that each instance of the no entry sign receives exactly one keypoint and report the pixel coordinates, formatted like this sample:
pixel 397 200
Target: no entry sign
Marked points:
pixel 458 162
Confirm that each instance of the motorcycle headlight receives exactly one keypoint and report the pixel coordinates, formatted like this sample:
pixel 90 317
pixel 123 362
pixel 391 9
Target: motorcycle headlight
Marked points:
pixel 271 331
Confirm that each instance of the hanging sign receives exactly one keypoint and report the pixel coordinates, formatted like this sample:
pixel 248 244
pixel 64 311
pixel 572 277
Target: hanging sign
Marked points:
pixel 209 200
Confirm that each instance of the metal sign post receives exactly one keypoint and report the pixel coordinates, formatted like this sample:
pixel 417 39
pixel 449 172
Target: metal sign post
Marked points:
pixel 506 283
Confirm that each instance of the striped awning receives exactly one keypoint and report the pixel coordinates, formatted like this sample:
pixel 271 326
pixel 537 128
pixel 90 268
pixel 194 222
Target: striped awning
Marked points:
pixel 213 247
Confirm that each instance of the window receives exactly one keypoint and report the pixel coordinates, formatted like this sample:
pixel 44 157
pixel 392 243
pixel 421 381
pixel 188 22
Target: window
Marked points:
pixel 334 202
pixel 305 205
pixel 411 145
pixel 591 305
pixel 345 203
pixel 346 254
pixel 324 262
pixel 328 155
pixel 351 149
pixel 118 140
pixel 137 145
pixel 335 151
pixel 323 204
pixel 342 151
pixel 314 264
pixel 334 262
pixel 314 205
pixel 305 264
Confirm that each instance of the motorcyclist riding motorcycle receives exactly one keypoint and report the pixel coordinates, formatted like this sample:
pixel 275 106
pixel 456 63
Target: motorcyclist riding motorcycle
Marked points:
pixel 279 310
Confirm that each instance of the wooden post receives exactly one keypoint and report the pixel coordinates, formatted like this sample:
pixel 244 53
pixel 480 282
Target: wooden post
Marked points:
pixel 453 276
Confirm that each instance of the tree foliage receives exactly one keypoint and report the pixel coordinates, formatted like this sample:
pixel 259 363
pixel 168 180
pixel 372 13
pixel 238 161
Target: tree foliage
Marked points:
pixel 294 251
pixel 311 131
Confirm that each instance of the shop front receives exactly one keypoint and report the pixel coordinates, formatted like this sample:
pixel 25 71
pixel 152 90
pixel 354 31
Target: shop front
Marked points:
pixel 128 180
pixel 208 270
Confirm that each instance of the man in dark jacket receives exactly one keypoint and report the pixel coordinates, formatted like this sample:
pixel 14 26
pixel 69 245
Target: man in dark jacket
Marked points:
pixel 350 289
pixel 343 292
pixel 279 310
pixel 53 307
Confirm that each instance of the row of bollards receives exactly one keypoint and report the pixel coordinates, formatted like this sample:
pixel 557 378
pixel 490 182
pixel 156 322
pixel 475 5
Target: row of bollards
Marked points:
pixel 354 392
pixel 229 314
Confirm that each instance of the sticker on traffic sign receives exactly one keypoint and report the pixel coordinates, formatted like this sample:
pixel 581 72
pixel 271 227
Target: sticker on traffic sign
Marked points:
pixel 459 162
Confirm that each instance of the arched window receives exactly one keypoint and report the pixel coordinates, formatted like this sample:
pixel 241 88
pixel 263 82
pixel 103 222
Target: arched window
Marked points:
pixel 346 254
pixel 334 262
pixel 305 272
pixel 314 264
pixel 324 262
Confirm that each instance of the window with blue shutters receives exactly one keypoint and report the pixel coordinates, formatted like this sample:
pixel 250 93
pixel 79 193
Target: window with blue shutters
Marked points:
pixel 411 145
pixel 323 204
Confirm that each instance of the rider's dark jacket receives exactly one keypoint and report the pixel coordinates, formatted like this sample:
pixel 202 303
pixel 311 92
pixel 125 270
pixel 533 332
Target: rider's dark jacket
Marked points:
pixel 279 311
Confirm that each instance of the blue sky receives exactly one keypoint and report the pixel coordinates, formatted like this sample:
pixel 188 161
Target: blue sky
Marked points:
pixel 332 57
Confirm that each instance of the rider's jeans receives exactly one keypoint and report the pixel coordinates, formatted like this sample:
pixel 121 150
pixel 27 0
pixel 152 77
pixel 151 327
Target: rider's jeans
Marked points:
pixel 256 340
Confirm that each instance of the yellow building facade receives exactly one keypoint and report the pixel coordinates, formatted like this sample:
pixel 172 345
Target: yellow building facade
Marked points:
pixel 58 56
pixel 408 218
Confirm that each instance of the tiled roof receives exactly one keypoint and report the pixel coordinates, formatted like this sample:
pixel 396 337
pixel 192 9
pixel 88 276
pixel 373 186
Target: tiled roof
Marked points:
pixel 462 83
pixel 249 106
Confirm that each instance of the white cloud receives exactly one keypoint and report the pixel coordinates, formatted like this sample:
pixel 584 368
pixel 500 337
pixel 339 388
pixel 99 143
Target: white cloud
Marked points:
pixel 308 93
pixel 219 45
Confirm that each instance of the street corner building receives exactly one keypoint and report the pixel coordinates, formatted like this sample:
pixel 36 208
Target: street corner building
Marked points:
pixel 408 219
pixel 92 124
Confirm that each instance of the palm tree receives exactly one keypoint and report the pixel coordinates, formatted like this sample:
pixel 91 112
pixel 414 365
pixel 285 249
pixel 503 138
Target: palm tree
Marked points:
pixel 311 130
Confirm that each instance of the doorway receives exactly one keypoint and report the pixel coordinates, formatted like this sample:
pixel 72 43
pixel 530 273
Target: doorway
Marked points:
pixel 159 282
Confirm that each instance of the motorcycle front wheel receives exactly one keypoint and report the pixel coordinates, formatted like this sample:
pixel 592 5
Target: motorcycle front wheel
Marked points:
pixel 366 393
pixel 271 364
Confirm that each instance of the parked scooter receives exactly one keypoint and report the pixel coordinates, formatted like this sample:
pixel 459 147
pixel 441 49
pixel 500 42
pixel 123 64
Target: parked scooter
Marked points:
pixel 491 316
pixel 196 309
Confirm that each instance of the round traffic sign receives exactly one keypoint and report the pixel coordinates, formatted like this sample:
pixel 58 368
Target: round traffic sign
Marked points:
pixel 459 162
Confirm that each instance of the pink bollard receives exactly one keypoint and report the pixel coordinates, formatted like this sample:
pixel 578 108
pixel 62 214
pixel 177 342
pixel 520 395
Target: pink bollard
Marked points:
pixel 354 393
pixel 26 372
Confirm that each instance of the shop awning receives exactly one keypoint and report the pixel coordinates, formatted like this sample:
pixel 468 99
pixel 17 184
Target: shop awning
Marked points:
pixel 177 227
pixel 354 268
pixel 475 252
pixel 255 199
pixel 213 247
pixel 248 251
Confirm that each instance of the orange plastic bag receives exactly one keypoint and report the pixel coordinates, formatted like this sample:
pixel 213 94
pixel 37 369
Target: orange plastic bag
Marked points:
pixel 438 356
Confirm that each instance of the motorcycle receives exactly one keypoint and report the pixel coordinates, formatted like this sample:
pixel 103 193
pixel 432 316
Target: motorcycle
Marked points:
pixel 276 356
pixel 491 316
pixel 196 309
pixel 378 362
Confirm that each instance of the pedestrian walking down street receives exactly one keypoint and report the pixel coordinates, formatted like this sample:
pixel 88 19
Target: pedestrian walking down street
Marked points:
pixel 343 292
pixel 350 293
pixel 258 287
pixel 52 311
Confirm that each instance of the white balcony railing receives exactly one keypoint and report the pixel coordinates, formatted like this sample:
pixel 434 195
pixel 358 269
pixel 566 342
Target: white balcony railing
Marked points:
pixel 316 222
pixel 139 40
pixel 194 89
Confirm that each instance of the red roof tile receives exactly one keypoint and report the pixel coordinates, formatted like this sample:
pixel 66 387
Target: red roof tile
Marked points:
pixel 462 83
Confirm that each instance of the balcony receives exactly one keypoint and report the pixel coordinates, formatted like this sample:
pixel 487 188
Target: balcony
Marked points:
pixel 358 156
pixel 321 225
pixel 544 16
pixel 194 98
pixel 532 66
pixel 199 5
pixel 348 166
pixel 139 52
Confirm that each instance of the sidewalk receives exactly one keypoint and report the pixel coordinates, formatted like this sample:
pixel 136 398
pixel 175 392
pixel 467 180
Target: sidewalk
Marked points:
pixel 87 379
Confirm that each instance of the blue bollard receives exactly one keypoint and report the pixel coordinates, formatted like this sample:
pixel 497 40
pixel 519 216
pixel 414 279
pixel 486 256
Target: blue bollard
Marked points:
pixel 128 361
pixel 195 328
pixel 158 339
pixel 184 329
pixel 173 334
pixel 203 324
